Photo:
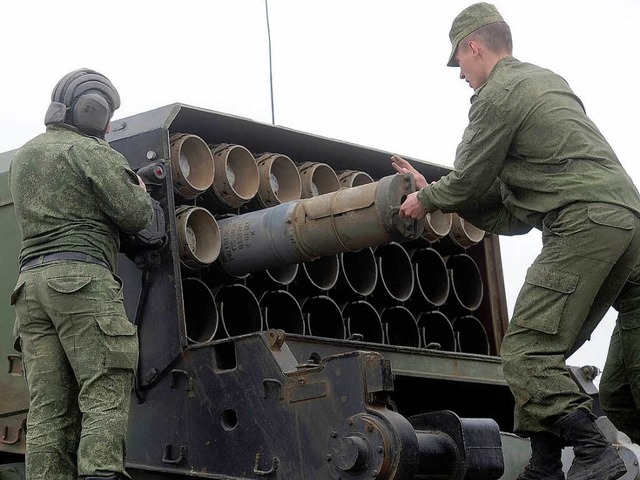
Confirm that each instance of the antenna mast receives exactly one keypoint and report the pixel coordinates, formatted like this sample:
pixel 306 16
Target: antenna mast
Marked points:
pixel 273 118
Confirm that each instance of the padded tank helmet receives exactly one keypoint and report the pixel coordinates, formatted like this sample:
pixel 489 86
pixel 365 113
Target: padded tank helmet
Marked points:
pixel 84 99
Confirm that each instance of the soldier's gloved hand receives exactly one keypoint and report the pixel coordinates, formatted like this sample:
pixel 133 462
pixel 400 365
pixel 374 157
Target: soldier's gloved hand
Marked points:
pixel 402 166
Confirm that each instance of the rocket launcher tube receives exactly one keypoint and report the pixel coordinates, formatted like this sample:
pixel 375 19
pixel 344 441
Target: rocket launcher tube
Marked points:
pixel 346 220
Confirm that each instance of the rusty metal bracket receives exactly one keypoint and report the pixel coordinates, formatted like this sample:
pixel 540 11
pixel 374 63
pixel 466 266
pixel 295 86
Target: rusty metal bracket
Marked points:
pixel 166 454
pixel 274 466
pixel 276 338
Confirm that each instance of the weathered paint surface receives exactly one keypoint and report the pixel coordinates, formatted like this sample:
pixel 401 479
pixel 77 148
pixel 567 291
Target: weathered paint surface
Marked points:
pixel 13 392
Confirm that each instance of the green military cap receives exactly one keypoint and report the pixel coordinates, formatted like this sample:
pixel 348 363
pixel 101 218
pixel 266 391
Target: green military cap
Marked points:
pixel 468 21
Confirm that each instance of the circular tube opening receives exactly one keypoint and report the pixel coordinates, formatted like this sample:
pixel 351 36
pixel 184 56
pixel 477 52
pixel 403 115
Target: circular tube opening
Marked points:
pixel 236 177
pixel 359 271
pixel 466 282
pixel 282 275
pixel 198 237
pixel 471 337
pixel 437 225
pixel 281 310
pixel 279 180
pixel 239 310
pixel 400 326
pixel 354 178
pixel 362 318
pixel 437 332
pixel 463 233
pixel 432 277
pixel 192 165
pixel 323 317
pixel 395 270
pixel 273 278
pixel 317 179
pixel 320 274
pixel 200 313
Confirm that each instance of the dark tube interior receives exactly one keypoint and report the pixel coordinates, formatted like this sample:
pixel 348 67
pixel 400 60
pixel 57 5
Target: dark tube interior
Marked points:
pixel 359 271
pixel 432 278
pixel 320 274
pixel 437 332
pixel 396 272
pixel 239 310
pixel 401 327
pixel 466 281
pixel 324 318
pixel 362 318
pixel 281 310
pixel 200 313
pixel 471 336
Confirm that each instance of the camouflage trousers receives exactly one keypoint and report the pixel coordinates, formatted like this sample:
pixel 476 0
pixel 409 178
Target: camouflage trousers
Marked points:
pixel 620 382
pixel 79 352
pixel 588 260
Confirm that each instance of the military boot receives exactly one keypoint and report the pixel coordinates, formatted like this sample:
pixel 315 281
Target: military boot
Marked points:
pixel 595 458
pixel 545 462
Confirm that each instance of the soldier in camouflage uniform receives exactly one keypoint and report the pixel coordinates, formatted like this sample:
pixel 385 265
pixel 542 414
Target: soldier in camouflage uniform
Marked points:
pixel 72 195
pixel 531 158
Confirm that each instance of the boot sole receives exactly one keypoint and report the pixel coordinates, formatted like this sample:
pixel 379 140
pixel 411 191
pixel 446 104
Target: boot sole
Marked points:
pixel 608 472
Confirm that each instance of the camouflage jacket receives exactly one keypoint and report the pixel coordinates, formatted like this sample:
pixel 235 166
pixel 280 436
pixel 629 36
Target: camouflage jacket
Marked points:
pixel 529 149
pixel 72 192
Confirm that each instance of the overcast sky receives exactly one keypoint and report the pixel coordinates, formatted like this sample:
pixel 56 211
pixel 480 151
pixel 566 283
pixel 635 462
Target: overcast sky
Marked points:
pixel 364 71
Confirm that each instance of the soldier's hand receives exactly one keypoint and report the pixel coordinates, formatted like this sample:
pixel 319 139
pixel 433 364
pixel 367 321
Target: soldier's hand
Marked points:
pixel 141 183
pixel 402 166
pixel 411 207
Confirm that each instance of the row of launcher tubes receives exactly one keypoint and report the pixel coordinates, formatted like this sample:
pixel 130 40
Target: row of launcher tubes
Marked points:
pixel 422 293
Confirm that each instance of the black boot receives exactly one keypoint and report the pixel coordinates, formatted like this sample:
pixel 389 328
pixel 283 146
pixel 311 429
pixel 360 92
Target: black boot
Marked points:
pixel 545 463
pixel 595 458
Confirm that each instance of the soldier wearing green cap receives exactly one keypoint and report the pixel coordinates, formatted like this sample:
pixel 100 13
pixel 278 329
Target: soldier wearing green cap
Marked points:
pixel 530 157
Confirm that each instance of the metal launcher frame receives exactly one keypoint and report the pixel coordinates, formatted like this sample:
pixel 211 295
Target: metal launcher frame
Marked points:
pixel 245 377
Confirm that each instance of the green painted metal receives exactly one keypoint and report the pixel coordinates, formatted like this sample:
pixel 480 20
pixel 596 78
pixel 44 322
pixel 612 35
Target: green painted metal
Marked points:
pixel 411 362
pixel 13 391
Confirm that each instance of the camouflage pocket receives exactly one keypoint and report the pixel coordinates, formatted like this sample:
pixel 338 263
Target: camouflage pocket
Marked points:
pixel 541 302
pixel 68 284
pixel 468 134
pixel 120 342
pixel 68 293
pixel 611 216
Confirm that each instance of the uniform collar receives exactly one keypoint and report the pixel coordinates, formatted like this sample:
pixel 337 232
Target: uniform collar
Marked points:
pixel 502 63
pixel 61 127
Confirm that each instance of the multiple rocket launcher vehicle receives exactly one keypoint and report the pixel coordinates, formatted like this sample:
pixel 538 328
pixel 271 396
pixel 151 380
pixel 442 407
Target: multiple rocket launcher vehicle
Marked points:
pixel 291 324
